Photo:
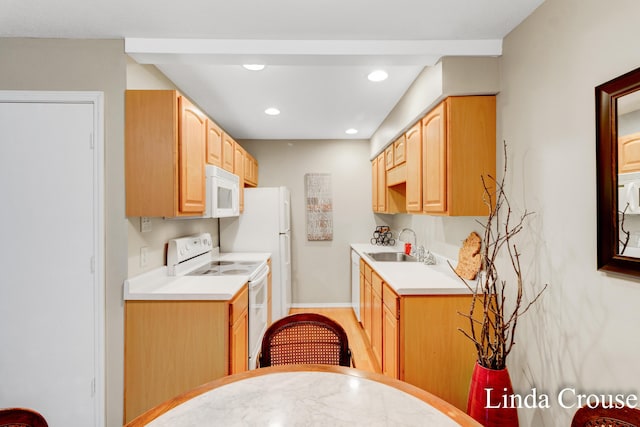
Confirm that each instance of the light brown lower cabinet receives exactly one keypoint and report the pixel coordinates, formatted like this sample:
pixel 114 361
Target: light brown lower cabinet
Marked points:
pixel 420 340
pixel 390 332
pixel 174 346
pixel 376 317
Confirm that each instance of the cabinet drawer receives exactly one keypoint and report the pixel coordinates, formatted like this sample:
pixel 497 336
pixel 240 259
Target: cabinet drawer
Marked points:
pixel 391 300
pixel 238 305
pixel 376 283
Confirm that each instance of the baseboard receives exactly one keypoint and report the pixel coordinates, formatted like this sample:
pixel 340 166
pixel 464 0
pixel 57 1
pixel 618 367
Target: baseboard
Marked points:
pixel 323 305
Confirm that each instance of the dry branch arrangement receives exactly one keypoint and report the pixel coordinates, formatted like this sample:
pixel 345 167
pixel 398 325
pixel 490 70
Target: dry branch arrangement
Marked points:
pixel 624 241
pixel 493 329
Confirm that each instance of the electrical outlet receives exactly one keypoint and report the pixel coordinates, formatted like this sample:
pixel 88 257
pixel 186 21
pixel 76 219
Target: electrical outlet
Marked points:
pixel 145 224
pixel 144 252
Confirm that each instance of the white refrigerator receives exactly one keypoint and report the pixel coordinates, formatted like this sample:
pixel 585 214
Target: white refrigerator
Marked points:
pixel 264 226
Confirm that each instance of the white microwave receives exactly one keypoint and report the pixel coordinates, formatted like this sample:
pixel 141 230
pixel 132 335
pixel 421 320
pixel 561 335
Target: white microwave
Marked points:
pixel 223 193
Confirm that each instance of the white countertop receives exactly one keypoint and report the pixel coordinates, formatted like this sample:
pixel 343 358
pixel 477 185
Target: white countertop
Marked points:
pixel 414 278
pixel 158 285
pixel 286 399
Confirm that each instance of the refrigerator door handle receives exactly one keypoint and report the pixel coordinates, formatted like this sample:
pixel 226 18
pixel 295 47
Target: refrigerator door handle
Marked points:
pixel 288 248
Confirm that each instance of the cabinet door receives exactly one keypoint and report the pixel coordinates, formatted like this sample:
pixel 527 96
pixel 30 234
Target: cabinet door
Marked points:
pixel 366 318
pixel 228 152
pixel 399 150
pixel 390 332
pixel 248 170
pixel 434 160
pixel 376 325
pixel 376 316
pixel 192 148
pixel 254 171
pixel 414 168
pixel 629 153
pixel 239 332
pixel 239 345
pixel 214 144
pixel 388 157
pixel 389 343
pixel 382 184
pixel 374 185
pixel 362 297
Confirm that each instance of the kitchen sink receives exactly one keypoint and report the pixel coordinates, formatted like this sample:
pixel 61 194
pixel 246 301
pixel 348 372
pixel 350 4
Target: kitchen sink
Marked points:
pixel 391 257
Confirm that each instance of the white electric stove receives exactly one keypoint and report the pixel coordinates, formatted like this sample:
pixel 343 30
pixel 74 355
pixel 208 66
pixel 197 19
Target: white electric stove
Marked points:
pixel 196 256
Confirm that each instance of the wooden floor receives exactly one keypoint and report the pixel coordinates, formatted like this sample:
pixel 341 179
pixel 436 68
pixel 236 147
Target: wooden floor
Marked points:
pixel 362 357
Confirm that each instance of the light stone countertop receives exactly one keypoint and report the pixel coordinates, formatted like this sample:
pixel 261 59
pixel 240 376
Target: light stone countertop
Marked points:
pixel 414 278
pixel 158 285
pixel 305 398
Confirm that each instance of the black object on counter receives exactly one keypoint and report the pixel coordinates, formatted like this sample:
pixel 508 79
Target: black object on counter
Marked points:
pixel 382 236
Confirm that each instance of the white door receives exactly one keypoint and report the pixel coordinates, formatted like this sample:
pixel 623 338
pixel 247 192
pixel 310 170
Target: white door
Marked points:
pixel 51 286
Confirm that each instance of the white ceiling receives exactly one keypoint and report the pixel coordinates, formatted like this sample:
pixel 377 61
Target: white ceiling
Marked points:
pixel 318 53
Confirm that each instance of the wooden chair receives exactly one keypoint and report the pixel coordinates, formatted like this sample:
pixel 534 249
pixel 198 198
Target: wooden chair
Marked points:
pixel 305 338
pixel 601 417
pixel 21 417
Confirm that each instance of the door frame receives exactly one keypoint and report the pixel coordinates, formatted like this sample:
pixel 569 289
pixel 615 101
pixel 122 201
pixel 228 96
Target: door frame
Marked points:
pixel 96 99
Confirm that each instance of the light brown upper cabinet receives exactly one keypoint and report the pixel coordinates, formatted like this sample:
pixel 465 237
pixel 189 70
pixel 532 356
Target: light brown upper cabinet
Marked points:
pixel 250 170
pixel 382 184
pixel 413 144
pixel 379 184
pixel 388 157
pixel 374 184
pixel 165 150
pixel 399 150
pixel 228 152
pixel 434 160
pixel 458 149
pixel 629 153
pixel 395 154
pixel 214 143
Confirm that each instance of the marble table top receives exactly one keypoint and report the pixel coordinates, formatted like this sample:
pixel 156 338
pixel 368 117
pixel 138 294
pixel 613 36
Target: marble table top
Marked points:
pixel 311 397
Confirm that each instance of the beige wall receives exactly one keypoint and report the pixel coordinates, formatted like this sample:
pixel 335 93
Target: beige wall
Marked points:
pixel 584 332
pixel 321 270
pixel 88 65
pixel 149 77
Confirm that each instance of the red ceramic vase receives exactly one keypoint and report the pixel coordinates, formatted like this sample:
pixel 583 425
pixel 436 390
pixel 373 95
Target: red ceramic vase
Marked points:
pixel 490 400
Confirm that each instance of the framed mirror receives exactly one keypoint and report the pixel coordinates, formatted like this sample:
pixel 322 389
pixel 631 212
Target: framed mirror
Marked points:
pixel 618 173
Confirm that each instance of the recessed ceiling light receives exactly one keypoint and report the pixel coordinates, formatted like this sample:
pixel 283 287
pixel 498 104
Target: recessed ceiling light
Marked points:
pixel 351 131
pixel 272 111
pixel 378 76
pixel 254 67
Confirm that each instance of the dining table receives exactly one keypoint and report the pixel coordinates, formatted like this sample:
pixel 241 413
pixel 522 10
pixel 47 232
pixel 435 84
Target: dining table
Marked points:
pixel 305 395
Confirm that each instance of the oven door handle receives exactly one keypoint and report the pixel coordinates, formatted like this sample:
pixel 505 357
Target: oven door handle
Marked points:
pixel 258 281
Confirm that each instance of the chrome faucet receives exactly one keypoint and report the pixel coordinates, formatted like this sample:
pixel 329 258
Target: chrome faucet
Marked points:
pixel 415 239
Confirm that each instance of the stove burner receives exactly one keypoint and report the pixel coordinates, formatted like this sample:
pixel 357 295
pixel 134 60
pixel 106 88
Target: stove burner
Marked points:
pixel 235 272
pixel 225 268
pixel 222 262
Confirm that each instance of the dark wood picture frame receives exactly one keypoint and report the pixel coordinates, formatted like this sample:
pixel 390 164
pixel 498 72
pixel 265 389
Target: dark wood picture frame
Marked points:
pixel 607 95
